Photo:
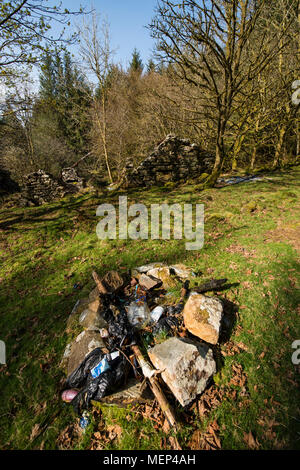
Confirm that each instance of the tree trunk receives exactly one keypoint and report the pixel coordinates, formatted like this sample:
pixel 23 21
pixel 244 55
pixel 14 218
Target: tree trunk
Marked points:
pixel 30 146
pixel 211 180
pixel 236 150
pixel 104 138
pixel 279 147
pixel 253 157
pixel 102 131
pixel 220 154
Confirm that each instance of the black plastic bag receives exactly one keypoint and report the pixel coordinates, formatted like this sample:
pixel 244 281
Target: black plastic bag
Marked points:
pixel 175 309
pixel 96 388
pixel 79 376
pixel 119 329
pixel 165 324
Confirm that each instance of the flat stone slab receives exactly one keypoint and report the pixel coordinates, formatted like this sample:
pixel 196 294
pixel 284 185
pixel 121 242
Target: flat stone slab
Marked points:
pixel 92 320
pixel 94 295
pixel 163 274
pixel 96 305
pixel 132 393
pixel 147 267
pixel 149 282
pixel 187 366
pixel 85 343
pixel 202 317
pixel 182 271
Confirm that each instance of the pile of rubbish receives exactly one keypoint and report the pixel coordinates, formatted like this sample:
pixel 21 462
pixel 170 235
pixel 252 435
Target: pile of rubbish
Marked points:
pixel 138 342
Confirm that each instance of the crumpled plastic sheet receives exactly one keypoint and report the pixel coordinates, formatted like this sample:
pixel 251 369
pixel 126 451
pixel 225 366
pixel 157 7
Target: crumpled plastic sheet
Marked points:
pixel 119 330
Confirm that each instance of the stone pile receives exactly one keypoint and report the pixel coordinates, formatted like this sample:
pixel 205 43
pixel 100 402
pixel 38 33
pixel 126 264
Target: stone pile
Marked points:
pixel 183 354
pixel 70 177
pixel 172 160
pixel 40 187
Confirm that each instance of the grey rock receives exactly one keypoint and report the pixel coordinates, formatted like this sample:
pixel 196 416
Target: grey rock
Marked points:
pixel 83 345
pixel 78 308
pixel 66 356
pixel 148 267
pixel 181 271
pixel 70 177
pixel 164 275
pixel 187 367
pixel 94 294
pixel 92 320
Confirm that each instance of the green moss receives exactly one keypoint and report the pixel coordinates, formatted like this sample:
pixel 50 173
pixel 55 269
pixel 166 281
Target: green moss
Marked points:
pixel 219 216
pixel 202 315
pixel 251 206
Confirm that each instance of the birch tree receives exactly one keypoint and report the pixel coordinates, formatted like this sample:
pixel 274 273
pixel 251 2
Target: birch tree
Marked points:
pixel 96 53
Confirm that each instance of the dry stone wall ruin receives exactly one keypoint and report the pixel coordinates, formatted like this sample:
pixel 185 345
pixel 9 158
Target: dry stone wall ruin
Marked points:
pixel 172 160
pixel 41 187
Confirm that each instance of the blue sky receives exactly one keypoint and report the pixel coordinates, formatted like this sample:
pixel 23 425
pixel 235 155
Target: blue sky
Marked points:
pixel 127 20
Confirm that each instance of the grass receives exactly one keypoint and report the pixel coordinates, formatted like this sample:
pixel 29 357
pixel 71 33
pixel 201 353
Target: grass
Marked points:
pixel 251 238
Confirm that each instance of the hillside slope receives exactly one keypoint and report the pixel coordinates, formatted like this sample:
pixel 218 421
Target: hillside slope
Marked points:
pixel 252 235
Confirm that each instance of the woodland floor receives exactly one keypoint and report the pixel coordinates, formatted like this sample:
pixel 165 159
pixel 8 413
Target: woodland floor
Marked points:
pixel 252 234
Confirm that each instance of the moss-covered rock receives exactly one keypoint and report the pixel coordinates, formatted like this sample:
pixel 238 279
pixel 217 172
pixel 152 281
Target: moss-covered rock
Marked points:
pixel 202 317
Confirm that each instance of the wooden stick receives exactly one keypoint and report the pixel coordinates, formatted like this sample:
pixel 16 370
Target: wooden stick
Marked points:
pixel 99 284
pixel 149 373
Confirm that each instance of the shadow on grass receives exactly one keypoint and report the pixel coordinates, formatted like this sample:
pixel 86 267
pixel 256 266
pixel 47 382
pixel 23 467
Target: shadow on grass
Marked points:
pixel 36 214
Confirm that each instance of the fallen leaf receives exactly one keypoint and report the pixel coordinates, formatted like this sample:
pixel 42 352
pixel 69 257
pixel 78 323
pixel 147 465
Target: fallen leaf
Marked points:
pixel 166 427
pixel 114 431
pixel 35 431
pixel 250 441
pixel 174 443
